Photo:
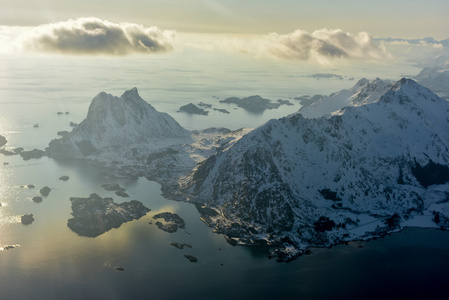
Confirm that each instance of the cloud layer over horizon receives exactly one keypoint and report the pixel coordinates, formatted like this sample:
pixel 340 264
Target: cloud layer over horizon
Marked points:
pixel 92 36
pixel 322 46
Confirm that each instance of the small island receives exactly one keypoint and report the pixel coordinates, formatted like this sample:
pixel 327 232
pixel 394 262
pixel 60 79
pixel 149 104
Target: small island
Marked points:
pixel 35 153
pixel 64 178
pixel 8 247
pixel 94 215
pixel 193 109
pixel 45 191
pixel 222 110
pixel 191 258
pixel 119 191
pixel 256 104
pixel 37 199
pixel 15 151
pixel 27 219
pixel 112 187
pixel 172 222
pixel 180 245
pixel 319 76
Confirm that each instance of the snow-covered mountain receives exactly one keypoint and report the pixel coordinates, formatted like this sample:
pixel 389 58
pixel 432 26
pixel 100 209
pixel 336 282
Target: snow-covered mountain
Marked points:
pixel 435 78
pixel 127 136
pixel 113 122
pixel 364 92
pixel 364 170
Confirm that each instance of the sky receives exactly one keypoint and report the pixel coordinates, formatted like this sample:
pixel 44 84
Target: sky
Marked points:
pixel 323 33
pixel 381 18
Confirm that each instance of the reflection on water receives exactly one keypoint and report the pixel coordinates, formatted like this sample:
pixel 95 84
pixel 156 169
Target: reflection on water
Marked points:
pixel 53 262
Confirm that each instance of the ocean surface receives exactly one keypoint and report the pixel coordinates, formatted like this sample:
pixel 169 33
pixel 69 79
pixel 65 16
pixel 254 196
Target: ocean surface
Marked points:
pixel 52 262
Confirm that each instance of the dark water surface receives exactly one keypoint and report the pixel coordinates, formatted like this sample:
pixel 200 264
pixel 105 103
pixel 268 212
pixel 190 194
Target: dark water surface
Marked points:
pixel 53 262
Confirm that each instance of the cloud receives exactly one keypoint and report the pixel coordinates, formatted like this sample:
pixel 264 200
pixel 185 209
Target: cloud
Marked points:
pixel 416 43
pixel 323 46
pixel 87 36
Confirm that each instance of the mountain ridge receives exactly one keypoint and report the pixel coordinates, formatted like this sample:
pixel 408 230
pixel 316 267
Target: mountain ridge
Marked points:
pixel 290 176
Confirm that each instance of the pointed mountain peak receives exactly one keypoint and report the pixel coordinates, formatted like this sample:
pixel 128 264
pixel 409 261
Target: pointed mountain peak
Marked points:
pixel 131 94
pixel 409 85
pixel 361 83
pixel 407 91
pixel 404 82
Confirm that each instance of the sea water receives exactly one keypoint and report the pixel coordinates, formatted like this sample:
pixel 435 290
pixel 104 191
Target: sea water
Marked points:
pixel 52 262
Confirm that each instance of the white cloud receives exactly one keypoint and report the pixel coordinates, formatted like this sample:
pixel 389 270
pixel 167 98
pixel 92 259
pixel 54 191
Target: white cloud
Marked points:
pixel 88 36
pixel 323 46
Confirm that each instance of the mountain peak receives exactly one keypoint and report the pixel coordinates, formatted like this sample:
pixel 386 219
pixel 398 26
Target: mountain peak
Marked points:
pixel 408 88
pixel 131 94
pixel 404 82
pixel 361 83
pixel 293 176
pixel 113 122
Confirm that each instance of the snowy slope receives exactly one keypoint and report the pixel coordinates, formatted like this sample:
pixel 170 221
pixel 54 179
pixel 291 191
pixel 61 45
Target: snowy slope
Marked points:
pixel 353 174
pixel 364 92
pixel 435 78
pixel 127 136
pixel 112 122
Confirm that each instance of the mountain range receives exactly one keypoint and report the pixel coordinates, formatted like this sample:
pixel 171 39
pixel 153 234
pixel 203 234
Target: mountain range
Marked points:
pixel 355 164
pixel 317 177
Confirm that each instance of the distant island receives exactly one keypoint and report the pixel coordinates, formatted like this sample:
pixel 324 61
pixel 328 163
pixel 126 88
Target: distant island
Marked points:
pixel 255 104
pixel 193 109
